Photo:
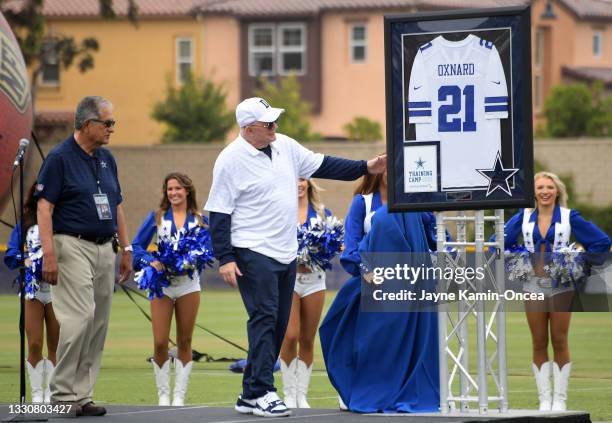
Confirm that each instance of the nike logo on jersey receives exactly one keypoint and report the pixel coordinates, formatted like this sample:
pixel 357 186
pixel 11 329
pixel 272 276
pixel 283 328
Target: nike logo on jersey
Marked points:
pixel 416 88
pixel 496 82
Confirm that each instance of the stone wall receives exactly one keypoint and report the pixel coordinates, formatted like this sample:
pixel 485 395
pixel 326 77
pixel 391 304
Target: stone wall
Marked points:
pixel 589 161
pixel 143 168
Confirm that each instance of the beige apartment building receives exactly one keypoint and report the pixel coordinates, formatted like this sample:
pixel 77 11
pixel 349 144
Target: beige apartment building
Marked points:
pixel 336 47
pixel 571 42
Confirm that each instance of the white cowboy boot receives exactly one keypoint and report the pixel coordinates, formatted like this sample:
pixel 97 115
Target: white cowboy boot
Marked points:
pixel 36 380
pixel 162 380
pixel 49 371
pixel 289 374
pixel 181 379
pixel 303 381
pixel 560 382
pixel 341 405
pixel 542 378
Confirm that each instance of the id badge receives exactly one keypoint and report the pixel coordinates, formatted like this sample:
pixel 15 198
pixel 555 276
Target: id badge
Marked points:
pixel 103 207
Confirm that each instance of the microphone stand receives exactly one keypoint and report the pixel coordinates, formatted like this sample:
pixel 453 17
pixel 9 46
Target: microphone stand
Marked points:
pixel 22 416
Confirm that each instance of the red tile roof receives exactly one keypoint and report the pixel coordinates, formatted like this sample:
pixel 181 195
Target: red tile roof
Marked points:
pixel 91 8
pixel 588 74
pixel 583 9
pixel 262 8
pixel 54 118
pixel 176 8
pixel 590 9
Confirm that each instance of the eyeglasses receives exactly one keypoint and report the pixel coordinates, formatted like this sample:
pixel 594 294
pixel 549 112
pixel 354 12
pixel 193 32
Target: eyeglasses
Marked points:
pixel 267 125
pixel 107 123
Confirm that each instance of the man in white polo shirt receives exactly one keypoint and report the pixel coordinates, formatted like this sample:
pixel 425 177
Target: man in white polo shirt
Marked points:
pixel 253 213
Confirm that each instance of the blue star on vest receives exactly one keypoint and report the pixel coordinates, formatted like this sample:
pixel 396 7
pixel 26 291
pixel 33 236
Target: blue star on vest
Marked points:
pixel 498 176
pixel 420 163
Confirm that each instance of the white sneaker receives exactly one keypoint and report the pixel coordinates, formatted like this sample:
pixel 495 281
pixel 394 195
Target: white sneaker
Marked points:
pixel 244 406
pixel 270 405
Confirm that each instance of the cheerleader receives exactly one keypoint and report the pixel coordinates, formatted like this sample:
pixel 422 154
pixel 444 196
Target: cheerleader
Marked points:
pixel 38 309
pixel 370 195
pixel 546 229
pixel 176 216
pixel 306 308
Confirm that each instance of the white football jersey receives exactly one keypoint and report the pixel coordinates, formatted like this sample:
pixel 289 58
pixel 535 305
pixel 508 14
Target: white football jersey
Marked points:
pixel 457 95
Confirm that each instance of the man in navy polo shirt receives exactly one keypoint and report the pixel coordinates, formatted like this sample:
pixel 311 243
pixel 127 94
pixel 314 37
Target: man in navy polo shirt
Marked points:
pixel 253 213
pixel 79 213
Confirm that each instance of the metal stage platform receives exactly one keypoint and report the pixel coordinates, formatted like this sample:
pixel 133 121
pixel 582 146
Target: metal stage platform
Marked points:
pixel 203 414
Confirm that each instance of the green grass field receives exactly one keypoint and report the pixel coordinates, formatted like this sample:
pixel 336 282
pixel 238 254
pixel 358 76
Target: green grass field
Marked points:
pixel 126 377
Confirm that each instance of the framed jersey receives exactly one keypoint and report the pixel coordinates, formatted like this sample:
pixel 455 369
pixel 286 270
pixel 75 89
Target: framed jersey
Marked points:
pixel 459 119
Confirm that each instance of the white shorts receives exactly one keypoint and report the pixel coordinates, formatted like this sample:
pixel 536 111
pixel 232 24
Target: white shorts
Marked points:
pixel 309 283
pixel 43 294
pixel 182 285
pixel 544 286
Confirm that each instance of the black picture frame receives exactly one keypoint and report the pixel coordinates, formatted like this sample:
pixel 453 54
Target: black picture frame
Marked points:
pixel 508 181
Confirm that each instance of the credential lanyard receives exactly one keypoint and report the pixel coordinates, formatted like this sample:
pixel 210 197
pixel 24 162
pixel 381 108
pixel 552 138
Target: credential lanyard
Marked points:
pixel 96 173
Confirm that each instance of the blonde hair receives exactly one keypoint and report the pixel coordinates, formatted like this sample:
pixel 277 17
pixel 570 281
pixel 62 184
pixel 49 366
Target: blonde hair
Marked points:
pixel 314 197
pixel 561 189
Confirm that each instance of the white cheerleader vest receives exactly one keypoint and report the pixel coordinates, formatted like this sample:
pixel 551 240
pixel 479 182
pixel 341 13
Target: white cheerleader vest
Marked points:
pixel 367 222
pixel 164 230
pixel 563 230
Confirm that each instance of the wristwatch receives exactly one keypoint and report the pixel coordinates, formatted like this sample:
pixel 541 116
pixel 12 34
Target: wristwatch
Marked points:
pixel 128 248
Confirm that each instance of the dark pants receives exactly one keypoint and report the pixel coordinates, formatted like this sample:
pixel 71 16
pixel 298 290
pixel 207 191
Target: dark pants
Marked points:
pixel 266 288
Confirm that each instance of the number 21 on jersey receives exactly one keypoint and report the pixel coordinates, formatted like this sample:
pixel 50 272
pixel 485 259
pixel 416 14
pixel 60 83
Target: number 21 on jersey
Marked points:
pixel 458 99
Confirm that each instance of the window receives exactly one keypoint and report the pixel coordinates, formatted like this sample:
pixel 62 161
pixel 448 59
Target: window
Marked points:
pixel 50 65
pixel 291 48
pixel 597 38
pixel 261 50
pixel 184 58
pixel 358 43
pixel 277 49
pixel 539 43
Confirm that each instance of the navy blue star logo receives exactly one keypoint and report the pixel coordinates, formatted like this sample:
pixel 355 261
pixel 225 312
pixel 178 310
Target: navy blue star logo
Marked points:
pixel 420 163
pixel 498 176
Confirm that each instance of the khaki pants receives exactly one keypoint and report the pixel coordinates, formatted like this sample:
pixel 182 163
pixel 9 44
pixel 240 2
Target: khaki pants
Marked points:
pixel 82 302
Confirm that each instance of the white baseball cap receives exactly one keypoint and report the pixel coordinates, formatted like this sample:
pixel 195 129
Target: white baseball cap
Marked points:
pixel 256 109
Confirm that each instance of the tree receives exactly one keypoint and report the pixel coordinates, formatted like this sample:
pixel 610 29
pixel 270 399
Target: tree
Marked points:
pixel 576 110
pixel 363 129
pixel 28 23
pixel 600 122
pixel 194 112
pixel 286 94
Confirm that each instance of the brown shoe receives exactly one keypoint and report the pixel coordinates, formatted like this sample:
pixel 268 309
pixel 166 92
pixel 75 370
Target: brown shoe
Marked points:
pixel 90 409
pixel 75 408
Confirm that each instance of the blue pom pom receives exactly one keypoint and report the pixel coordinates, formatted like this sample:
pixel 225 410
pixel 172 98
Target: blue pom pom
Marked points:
pixel 188 251
pixel 319 241
pixel 33 273
pixel 567 266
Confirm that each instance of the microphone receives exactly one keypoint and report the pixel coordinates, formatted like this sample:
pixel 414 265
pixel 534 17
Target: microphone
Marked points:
pixel 23 146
